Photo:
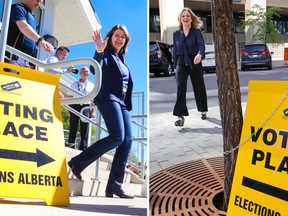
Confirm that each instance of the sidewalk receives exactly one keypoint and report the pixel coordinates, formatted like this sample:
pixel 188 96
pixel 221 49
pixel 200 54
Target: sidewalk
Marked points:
pixel 197 139
pixel 80 205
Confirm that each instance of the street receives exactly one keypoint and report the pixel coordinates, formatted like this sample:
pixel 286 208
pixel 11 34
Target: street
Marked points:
pixel 162 90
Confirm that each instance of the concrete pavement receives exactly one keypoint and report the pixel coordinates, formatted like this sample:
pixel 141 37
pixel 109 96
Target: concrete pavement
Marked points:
pixel 81 205
pixel 197 139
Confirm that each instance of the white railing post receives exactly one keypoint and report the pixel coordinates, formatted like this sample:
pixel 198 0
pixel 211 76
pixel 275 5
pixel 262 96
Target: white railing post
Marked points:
pixel 4 28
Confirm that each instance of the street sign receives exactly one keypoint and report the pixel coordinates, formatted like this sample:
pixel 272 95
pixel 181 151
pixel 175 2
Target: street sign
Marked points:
pixel 261 173
pixel 32 153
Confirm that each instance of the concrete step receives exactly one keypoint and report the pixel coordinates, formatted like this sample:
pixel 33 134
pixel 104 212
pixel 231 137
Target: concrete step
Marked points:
pixel 89 186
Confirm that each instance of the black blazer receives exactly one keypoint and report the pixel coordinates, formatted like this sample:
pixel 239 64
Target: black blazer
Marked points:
pixel 112 81
pixel 194 43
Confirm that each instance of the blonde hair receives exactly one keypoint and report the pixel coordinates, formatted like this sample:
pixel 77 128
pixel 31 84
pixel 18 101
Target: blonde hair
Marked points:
pixel 84 68
pixel 196 22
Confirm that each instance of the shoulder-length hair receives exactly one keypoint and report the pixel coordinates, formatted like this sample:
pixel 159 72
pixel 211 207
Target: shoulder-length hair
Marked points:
pixel 196 22
pixel 127 38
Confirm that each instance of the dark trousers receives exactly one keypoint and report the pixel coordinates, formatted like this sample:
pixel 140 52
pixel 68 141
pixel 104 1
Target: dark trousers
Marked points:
pixel 74 121
pixel 197 80
pixel 118 122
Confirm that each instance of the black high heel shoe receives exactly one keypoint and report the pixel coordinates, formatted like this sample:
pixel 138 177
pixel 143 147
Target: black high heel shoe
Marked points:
pixel 203 116
pixel 75 172
pixel 122 195
pixel 180 121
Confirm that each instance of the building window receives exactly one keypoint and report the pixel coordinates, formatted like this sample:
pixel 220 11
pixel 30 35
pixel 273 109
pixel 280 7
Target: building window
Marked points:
pixel 238 19
pixel 282 24
pixel 206 18
pixel 154 21
pixel 285 27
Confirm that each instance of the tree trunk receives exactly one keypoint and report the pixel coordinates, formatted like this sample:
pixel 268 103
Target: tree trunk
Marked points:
pixel 228 86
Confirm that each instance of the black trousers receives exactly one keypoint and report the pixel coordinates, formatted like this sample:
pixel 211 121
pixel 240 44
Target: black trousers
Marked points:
pixel 74 121
pixel 198 84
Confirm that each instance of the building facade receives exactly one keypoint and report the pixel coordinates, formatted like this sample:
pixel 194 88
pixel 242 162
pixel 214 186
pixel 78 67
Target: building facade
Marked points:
pixel 163 15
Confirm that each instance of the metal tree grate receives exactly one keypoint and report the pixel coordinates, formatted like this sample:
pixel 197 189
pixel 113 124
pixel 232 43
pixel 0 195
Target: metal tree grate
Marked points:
pixel 187 189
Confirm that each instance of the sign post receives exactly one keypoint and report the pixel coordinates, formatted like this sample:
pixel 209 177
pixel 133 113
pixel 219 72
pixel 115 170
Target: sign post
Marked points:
pixel 261 173
pixel 32 153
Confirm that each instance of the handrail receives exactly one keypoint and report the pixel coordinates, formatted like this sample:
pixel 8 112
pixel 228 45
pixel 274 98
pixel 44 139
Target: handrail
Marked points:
pixel 88 120
pixel 4 27
pixel 142 141
pixel 72 100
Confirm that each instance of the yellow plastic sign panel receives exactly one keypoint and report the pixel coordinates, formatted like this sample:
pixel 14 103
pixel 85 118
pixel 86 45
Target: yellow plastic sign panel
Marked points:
pixel 32 153
pixel 261 173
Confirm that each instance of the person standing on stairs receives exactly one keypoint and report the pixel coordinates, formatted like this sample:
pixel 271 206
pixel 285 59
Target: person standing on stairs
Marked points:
pixel 114 103
pixel 84 87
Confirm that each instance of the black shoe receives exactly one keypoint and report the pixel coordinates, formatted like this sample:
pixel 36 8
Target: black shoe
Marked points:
pixel 70 145
pixel 203 116
pixel 122 195
pixel 75 172
pixel 180 121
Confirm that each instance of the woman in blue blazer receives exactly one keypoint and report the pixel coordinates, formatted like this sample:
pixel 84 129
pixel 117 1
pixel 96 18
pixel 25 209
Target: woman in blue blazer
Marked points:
pixel 188 51
pixel 114 104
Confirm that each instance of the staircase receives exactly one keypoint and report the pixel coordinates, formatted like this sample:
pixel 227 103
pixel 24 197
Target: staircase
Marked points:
pixel 132 185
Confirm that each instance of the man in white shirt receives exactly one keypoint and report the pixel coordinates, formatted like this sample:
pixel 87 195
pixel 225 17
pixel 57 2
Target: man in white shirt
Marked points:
pixel 61 53
pixel 84 87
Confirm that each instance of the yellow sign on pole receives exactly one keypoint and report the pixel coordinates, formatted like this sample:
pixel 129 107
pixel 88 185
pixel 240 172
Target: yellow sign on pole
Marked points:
pixel 32 153
pixel 261 173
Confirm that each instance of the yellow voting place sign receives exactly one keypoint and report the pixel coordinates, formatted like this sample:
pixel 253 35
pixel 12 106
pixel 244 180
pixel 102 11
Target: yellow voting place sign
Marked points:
pixel 32 153
pixel 261 173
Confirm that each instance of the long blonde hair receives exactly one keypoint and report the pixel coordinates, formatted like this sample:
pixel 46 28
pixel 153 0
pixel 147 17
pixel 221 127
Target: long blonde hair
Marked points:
pixel 196 22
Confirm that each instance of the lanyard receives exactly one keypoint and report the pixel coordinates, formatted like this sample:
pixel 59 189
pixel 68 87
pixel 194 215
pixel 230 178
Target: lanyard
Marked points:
pixel 79 87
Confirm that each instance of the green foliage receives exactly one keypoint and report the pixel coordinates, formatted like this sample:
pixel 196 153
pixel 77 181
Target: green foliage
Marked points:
pixel 263 21
pixel 65 118
pixel 133 158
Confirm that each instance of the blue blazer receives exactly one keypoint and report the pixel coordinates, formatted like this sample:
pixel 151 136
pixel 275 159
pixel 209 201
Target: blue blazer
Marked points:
pixel 112 81
pixel 191 45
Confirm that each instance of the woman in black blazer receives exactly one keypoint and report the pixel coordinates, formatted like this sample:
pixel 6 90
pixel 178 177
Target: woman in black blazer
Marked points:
pixel 188 51
pixel 114 103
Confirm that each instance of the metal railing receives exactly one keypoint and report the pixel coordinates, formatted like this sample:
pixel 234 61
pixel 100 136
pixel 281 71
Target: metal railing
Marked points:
pixel 72 100
pixel 84 98
pixel 141 140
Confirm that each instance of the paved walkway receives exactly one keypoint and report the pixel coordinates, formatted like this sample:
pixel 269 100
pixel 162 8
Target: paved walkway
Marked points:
pixel 197 139
pixel 81 205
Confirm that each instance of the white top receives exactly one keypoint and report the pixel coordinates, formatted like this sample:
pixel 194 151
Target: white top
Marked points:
pixel 84 88
pixel 59 71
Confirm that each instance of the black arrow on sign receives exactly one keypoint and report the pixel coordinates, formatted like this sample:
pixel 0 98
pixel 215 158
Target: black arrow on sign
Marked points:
pixel 39 157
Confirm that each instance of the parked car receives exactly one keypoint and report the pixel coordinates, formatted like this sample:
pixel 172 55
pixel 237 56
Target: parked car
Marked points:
pixel 160 58
pixel 256 55
pixel 208 62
